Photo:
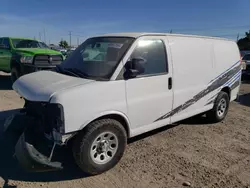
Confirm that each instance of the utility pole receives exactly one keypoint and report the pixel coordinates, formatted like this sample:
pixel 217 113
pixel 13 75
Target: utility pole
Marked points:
pixel 40 37
pixel 70 38
pixel 44 35
pixel 238 37
pixel 77 41
pixel 61 42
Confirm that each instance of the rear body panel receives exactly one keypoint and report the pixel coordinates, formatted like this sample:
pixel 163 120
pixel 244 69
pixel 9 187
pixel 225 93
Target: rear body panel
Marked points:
pixel 203 69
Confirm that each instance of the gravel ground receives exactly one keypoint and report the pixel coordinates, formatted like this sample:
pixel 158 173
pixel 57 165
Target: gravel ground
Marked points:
pixel 192 152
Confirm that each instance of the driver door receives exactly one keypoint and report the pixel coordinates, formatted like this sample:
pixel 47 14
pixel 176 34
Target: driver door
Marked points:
pixel 5 54
pixel 149 94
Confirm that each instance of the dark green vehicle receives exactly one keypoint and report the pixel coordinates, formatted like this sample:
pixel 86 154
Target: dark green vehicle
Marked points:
pixel 20 56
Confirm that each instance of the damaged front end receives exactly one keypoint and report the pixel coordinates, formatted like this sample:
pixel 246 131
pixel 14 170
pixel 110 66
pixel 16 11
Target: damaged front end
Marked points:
pixel 41 135
pixel 34 152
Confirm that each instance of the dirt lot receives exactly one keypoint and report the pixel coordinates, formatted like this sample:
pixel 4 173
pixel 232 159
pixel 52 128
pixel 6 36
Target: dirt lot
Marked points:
pixel 205 155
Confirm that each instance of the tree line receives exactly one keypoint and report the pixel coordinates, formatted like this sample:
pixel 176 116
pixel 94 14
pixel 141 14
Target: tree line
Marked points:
pixel 244 43
pixel 63 44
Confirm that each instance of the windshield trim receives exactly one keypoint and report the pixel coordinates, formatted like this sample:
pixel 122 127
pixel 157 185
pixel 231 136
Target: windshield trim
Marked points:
pixel 122 56
pixel 110 75
pixel 39 43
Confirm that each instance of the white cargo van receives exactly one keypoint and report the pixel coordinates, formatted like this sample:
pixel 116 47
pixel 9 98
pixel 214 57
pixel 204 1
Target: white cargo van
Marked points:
pixel 118 86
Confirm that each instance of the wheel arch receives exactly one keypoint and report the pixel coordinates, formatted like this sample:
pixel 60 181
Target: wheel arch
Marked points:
pixel 119 116
pixel 227 90
pixel 14 63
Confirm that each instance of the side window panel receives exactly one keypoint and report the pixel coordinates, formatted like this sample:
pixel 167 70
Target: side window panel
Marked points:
pixel 5 42
pixel 153 52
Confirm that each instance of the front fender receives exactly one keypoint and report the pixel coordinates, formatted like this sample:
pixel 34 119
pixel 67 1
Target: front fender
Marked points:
pixel 106 113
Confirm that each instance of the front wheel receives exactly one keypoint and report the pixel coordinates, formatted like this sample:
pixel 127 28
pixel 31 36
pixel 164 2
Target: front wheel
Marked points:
pixel 14 74
pixel 220 109
pixel 100 146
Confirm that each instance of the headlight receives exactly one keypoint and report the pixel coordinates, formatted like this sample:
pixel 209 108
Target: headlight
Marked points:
pixel 26 59
pixel 51 115
pixel 54 117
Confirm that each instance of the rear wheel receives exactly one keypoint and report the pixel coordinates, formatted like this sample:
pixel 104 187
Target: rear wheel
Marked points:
pixel 100 146
pixel 220 109
pixel 15 74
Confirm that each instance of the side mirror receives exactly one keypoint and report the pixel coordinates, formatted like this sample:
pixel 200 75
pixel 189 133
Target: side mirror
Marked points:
pixel 134 67
pixel 2 46
pixel 131 73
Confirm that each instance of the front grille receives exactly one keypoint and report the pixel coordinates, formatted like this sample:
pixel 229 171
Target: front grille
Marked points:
pixel 49 115
pixel 44 60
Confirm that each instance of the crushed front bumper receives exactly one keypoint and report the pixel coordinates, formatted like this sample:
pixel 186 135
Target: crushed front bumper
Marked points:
pixel 33 150
pixel 34 153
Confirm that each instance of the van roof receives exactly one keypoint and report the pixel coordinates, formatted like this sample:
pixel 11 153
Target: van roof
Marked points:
pixel 139 34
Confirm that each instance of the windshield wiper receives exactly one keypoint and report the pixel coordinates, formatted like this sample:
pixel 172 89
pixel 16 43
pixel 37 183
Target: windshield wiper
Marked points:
pixel 71 72
pixel 67 71
pixel 87 76
pixel 79 73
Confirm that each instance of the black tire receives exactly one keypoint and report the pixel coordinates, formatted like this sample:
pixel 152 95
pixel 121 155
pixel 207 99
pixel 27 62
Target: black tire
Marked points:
pixel 83 142
pixel 213 115
pixel 15 74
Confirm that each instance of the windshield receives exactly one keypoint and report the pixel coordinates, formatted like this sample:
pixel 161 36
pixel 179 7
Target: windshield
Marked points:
pixel 26 43
pixel 97 57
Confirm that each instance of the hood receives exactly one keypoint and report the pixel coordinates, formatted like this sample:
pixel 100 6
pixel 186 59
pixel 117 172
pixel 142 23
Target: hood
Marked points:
pixel 42 85
pixel 34 51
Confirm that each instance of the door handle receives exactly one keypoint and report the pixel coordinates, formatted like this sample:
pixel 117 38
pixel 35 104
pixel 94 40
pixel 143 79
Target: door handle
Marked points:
pixel 170 84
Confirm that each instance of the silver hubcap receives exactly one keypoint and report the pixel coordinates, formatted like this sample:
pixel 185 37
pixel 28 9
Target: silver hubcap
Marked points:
pixel 104 147
pixel 222 107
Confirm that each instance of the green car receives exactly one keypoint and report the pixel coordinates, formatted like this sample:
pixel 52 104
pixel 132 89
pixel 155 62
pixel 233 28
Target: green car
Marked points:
pixel 20 56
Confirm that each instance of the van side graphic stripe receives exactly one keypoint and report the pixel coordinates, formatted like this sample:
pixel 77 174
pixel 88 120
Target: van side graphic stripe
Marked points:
pixel 213 97
pixel 229 83
pixel 225 71
pixel 209 102
pixel 236 79
pixel 236 84
pixel 233 84
pixel 233 79
pixel 216 84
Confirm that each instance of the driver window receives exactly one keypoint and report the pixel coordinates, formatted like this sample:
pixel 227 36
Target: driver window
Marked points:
pixel 153 52
pixel 6 42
